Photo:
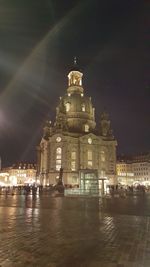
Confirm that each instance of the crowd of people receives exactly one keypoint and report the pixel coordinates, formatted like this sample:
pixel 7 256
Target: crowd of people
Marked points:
pixel 34 189
pixel 127 190
pixel 23 189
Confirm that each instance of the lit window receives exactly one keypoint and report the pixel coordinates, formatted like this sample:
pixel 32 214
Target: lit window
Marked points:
pixel 83 107
pixel 67 107
pixel 73 160
pixel 73 155
pixel 58 158
pixel 102 156
pixel 90 140
pixel 89 156
pixel 102 173
pixel 58 150
pixel 73 165
pixel 89 163
pixel 86 128
pixel 58 139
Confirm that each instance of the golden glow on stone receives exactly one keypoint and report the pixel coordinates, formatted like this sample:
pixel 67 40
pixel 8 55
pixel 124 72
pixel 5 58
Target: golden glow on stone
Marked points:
pixel 86 128
pixel 58 139
pixel 75 78
pixel 67 107
pixel 90 140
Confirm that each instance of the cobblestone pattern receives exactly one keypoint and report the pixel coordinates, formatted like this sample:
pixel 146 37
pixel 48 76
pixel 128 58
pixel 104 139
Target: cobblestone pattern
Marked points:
pixel 64 235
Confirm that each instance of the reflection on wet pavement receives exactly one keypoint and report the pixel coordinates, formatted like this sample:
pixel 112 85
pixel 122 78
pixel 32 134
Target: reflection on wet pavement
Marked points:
pixel 89 232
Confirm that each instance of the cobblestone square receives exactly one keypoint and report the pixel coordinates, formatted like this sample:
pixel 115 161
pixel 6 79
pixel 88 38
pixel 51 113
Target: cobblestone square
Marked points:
pixel 50 231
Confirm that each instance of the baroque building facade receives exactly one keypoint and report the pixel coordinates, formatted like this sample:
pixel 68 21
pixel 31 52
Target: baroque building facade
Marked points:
pixel 74 142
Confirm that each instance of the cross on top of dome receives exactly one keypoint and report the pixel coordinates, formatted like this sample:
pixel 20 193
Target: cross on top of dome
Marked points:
pixel 75 66
pixel 75 61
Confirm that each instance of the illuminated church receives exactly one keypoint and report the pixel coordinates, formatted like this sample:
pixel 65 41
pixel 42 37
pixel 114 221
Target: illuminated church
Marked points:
pixel 85 151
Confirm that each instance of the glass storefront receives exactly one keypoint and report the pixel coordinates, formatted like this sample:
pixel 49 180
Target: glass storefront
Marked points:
pixel 89 182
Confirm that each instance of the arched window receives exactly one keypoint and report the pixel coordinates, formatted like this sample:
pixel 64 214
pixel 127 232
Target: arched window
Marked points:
pixel 67 106
pixel 102 153
pixel 58 158
pixel 89 158
pixel 86 128
pixel 73 160
pixel 83 107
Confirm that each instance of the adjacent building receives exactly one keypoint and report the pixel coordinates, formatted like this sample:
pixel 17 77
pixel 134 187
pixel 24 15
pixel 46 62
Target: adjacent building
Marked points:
pixel 18 174
pixel 134 170
pixel 85 150
pixel 125 174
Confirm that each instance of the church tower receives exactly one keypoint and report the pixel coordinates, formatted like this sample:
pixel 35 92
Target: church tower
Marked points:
pixel 74 143
pixel 75 112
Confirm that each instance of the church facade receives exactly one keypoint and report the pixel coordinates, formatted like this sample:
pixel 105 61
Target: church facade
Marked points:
pixel 74 142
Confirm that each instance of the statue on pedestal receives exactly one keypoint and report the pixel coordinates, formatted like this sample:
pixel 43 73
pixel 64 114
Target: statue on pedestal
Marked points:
pixel 59 186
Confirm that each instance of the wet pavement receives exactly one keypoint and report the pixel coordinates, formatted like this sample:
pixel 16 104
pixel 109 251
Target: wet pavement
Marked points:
pixel 49 231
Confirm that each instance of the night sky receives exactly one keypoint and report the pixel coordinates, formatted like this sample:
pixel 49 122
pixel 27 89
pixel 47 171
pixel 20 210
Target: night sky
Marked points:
pixel 38 41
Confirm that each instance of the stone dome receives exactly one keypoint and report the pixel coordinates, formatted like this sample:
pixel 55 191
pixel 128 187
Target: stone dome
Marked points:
pixel 79 113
